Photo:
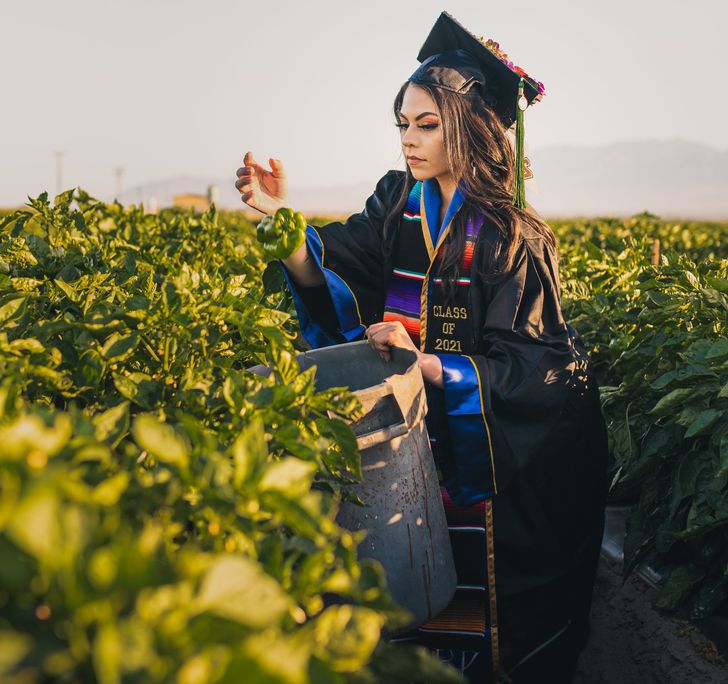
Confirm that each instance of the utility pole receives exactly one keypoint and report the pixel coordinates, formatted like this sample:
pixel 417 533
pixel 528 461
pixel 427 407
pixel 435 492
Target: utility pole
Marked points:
pixel 59 172
pixel 119 182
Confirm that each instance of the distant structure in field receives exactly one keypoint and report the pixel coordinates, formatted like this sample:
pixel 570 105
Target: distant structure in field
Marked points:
pixel 190 201
pixel 197 202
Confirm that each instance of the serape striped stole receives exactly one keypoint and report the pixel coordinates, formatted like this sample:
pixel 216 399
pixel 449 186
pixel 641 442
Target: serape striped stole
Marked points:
pixel 469 622
pixel 433 327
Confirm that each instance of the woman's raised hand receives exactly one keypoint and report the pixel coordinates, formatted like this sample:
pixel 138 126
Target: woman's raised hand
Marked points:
pixel 261 189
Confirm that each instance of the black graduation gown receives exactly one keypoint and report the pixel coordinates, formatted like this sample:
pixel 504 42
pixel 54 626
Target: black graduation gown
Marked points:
pixel 523 414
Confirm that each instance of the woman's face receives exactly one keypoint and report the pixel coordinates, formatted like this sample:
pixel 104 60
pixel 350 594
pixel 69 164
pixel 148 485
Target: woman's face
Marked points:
pixel 421 135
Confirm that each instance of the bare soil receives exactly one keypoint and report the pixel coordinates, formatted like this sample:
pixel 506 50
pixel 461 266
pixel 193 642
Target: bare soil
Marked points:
pixel 632 643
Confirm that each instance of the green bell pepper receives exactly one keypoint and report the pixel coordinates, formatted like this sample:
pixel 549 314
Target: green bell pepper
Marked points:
pixel 282 233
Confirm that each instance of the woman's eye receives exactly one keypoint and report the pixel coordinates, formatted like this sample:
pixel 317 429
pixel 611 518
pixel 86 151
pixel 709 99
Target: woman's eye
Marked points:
pixel 424 127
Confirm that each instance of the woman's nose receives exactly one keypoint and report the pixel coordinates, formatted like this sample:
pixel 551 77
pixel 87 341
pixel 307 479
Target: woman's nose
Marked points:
pixel 408 137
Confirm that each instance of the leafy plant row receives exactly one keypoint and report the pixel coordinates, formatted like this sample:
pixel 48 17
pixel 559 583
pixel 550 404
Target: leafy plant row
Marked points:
pixel 658 336
pixel 165 515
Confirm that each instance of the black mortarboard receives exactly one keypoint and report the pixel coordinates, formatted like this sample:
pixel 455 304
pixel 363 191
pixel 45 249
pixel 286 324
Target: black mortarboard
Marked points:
pixel 455 59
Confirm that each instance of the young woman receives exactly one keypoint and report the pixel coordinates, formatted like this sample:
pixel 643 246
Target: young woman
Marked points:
pixel 442 262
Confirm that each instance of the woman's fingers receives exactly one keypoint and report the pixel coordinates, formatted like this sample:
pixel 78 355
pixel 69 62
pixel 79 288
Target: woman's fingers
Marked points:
pixel 380 340
pixel 245 183
pixel 250 167
pixel 247 177
pixel 263 189
pixel 254 166
pixel 277 166
pixel 381 348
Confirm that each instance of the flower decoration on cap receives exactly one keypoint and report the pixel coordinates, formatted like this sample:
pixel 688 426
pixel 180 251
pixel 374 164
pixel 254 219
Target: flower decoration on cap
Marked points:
pixel 503 57
pixel 454 58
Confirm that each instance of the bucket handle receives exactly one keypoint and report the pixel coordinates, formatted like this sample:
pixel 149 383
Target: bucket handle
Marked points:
pixel 368 397
pixel 389 432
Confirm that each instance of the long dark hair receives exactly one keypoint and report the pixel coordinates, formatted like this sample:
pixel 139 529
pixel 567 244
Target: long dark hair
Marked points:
pixel 482 158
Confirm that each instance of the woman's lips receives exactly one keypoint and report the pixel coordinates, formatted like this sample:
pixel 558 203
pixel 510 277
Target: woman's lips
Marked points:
pixel 412 161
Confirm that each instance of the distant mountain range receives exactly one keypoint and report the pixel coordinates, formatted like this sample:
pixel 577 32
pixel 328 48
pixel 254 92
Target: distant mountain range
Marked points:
pixel 668 178
pixel 676 178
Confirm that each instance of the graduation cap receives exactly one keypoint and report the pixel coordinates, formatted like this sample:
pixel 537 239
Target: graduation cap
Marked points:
pixel 455 59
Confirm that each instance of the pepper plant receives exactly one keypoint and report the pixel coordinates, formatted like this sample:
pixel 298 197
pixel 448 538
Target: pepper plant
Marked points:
pixel 658 336
pixel 166 515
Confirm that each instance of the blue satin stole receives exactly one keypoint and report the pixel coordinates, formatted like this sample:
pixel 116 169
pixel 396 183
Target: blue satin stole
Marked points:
pixel 433 205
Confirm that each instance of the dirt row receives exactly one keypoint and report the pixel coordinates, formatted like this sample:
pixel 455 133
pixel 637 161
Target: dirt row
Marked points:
pixel 631 642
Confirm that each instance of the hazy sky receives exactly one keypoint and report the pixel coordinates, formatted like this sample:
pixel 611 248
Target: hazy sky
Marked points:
pixel 165 88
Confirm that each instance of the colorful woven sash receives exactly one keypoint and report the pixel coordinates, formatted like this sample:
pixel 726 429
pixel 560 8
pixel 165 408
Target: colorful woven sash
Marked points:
pixel 408 288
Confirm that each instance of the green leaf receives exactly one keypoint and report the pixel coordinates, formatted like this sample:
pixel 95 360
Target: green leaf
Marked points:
pixel 672 400
pixel 109 491
pixel 111 425
pixel 12 309
pixel 90 368
pixel 678 586
pixel 285 365
pixel 26 345
pixel 119 347
pixel 14 646
pixel 63 199
pixel 345 636
pixel 290 476
pixel 138 388
pixel 273 280
pixel 237 589
pixel 34 525
pixel 713 592
pixel 30 433
pixel 249 451
pixel 161 440
pixel 270 658
pixel 703 422
pixel 690 373
pixel 718 350
pixel 107 654
pixel 57 380
pixel 294 512
pixel 67 289
pixel 723 451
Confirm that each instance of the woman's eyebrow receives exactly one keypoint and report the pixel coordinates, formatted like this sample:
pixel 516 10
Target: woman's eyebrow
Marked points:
pixel 419 116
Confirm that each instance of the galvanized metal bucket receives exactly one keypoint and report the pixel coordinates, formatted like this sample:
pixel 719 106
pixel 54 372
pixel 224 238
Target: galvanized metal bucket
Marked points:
pixel 403 512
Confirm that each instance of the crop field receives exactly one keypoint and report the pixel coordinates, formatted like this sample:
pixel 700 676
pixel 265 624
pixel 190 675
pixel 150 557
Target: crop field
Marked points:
pixel 166 516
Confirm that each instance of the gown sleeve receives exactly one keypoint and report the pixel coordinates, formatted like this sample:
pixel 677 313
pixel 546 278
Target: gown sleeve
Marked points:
pixel 524 400
pixel 351 257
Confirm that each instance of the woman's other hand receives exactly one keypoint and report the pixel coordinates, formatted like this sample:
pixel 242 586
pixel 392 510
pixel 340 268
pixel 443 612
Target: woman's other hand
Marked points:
pixel 260 188
pixel 382 336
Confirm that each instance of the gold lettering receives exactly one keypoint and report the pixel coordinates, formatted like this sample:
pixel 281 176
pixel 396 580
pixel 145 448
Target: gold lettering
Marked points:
pixel 448 345
pixel 448 328
pixel 455 312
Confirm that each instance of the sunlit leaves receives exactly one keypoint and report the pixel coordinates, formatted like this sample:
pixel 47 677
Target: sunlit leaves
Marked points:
pixel 657 336
pixel 161 441
pixel 166 515
pixel 237 589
